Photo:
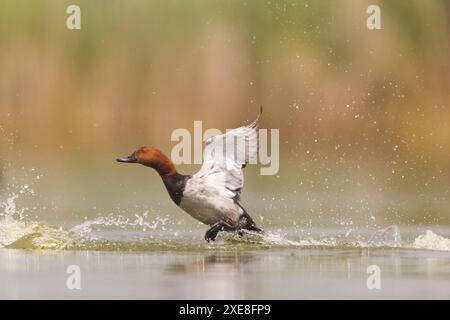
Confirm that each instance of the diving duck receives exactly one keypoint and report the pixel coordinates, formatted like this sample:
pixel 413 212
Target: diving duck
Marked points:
pixel 212 194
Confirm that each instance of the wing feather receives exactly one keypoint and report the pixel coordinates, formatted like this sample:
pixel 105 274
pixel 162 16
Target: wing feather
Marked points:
pixel 225 155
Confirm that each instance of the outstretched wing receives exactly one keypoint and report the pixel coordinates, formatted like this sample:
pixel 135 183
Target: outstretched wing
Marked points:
pixel 225 155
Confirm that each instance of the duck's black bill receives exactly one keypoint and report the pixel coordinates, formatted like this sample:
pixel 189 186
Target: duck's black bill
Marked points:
pixel 129 159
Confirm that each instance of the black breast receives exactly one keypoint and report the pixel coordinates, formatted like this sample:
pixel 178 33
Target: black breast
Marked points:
pixel 175 186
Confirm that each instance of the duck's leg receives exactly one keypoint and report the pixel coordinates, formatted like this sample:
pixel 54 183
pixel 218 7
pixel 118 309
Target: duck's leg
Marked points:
pixel 211 234
pixel 246 222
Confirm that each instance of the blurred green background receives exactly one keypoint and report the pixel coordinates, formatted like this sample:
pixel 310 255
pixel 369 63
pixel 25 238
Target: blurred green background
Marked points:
pixel 364 115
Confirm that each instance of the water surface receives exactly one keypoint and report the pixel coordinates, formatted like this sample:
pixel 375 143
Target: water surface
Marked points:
pixel 130 241
pixel 158 265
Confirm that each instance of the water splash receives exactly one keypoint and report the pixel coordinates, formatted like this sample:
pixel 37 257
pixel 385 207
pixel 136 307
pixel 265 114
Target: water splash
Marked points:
pixel 273 239
pixel 9 206
pixel 140 222
pixel 11 230
pixel 387 237
pixel 42 236
pixel 431 241
pixel 22 235
pixel 141 233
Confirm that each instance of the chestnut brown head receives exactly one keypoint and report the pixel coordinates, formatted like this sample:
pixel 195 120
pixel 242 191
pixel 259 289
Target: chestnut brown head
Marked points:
pixel 151 157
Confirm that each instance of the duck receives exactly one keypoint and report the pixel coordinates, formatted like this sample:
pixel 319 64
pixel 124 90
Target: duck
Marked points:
pixel 212 195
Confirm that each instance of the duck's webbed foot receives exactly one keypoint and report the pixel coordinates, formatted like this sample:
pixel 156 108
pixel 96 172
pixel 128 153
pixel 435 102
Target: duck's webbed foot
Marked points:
pixel 211 234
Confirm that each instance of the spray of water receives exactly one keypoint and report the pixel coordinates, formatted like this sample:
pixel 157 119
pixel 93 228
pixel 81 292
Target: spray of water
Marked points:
pixel 145 232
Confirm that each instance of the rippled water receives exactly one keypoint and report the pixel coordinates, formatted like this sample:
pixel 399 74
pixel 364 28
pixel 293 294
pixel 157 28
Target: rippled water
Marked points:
pixel 119 234
pixel 150 256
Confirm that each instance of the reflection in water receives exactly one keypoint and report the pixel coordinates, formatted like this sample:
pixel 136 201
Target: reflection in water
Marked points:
pixel 222 274
pixel 298 273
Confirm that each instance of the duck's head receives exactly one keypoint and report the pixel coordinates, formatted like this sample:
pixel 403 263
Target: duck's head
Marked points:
pixel 151 157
